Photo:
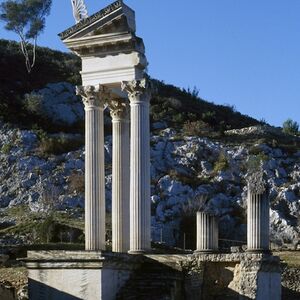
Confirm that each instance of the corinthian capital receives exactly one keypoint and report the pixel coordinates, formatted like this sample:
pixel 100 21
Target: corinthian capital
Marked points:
pixel 136 88
pixel 91 95
pixel 118 109
pixel 94 96
pixel 256 182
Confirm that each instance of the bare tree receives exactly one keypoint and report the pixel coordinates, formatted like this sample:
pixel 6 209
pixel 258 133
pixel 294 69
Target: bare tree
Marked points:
pixel 199 203
pixel 26 18
pixel 49 196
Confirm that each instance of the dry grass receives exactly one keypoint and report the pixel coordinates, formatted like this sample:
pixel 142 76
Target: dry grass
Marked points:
pixel 16 276
pixel 291 258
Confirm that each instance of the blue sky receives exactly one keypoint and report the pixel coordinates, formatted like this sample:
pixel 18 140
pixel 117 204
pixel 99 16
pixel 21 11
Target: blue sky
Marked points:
pixel 244 53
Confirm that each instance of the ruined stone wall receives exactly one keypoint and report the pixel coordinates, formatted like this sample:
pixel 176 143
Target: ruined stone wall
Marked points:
pixel 7 292
pixel 233 276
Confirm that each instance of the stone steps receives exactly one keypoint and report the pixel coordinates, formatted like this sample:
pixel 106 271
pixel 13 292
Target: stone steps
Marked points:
pixel 153 281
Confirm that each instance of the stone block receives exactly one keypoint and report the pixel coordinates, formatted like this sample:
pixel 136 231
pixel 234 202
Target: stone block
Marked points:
pixel 56 275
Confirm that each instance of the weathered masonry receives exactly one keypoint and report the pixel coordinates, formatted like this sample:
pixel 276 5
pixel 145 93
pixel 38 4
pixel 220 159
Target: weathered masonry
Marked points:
pixel 113 77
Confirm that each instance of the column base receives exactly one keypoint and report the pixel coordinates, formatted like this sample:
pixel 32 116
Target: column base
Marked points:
pixel 259 251
pixel 139 252
pixel 206 251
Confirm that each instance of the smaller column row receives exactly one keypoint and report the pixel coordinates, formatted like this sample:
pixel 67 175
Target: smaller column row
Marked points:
pixel 258 221
pixel 207 233
pixel 258 216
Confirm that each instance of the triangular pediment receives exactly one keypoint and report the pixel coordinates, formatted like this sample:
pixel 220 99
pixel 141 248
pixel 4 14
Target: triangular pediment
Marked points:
pixel 115 18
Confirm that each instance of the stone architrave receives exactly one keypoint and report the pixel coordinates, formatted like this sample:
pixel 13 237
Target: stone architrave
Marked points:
pixel 119 111
pixel 258 218
pixel 140 204
pixel 93 99
pixel 207 233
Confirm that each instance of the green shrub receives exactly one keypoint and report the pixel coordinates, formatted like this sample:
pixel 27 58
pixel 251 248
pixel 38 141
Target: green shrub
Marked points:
pixel 33 104
pixel 254 162
pixel 177 118
pixel 52 66
pixel 58 145
pixel 222 164
pixel 257 153
pixel 76 182
pixel 290 127
pixel 195 128
pixel 45 230
pixel 6 148
pixel 193 180
pixel 209 117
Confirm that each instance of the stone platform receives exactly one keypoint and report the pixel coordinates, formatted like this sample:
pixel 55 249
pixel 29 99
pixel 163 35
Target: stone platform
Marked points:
pixel 93 275
pixel 88 275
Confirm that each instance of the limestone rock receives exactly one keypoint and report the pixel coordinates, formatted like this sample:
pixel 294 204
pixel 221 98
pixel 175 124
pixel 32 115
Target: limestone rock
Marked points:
pixel 59 103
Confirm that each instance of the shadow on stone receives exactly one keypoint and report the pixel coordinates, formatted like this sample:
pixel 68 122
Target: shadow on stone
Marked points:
pixel 162 279
pixel 38 291
pixel 288 294
pixel 154 279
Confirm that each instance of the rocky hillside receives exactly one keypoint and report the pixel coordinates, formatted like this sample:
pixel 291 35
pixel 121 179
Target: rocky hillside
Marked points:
pixel 198 150
pixel 42 172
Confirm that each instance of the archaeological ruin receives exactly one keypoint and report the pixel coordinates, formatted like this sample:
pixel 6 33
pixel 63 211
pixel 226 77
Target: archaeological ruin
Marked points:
pixel 114 77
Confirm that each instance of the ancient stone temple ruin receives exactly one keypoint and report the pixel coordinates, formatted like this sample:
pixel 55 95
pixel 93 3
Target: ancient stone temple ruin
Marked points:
pixel 113 77
pixel 113 64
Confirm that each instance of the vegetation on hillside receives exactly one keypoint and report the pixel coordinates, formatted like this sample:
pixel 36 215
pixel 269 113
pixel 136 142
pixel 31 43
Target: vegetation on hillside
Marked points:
pixel 51 66
pixel 173 105
pixel 290 127
pixel 27 19
pixel 179 106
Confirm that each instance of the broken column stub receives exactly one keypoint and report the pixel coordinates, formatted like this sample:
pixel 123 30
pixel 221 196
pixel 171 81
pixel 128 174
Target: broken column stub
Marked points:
pixel 207 233
pixel 258 218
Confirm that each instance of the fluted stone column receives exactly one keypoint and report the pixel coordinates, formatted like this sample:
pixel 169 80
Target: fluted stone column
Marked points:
pixel 94 167
pixel 140 204
pixel 258 218
pixel 120 175
pixel 207 233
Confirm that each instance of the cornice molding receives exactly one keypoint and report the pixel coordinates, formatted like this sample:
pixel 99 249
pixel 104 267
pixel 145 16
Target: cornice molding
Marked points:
pixel 90 20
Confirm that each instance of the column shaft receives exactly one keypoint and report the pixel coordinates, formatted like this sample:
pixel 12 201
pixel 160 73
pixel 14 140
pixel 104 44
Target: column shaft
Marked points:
pixel 120 180
pixel 94 168
pixel 140 204
pixel 140 178
pixel 258 222
pixel 207 233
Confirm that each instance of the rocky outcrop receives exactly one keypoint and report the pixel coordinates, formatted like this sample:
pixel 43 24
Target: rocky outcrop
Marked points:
pixel 182 168
pixel 259 130
pixel 290 283
pixel 57 102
